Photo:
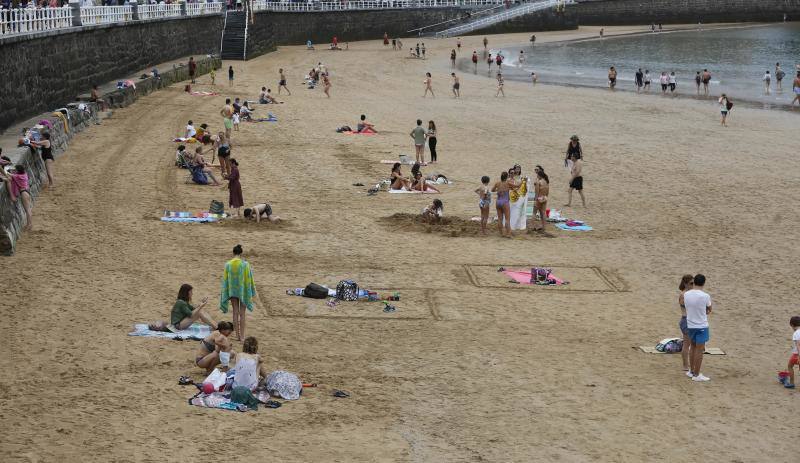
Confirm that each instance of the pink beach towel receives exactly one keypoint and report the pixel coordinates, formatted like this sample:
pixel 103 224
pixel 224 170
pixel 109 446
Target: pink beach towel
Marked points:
pixel 524 278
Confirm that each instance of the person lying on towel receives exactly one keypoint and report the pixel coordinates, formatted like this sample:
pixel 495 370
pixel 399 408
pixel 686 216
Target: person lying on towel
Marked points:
pixel 364 126
pixel 260 211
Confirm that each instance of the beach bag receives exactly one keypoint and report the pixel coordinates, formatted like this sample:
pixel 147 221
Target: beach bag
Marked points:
pixel 670 345
pixel 540 274
pixel 315 291
pixel 217 379
pixel 216 207
pixel 344 128
pixel 729 105
pixel 347 290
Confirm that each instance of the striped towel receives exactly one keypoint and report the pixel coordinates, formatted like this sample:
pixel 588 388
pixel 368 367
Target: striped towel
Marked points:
pixel 196 331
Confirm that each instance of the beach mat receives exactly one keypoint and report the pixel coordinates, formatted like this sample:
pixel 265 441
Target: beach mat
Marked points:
pixel 564 226
pixel 189 219
pixel 524 278
pixel 359 133
pixel 414 192
pixel 200 217
pixel 389 161
pixel 196 331
pixel 652 350
pixel 203 93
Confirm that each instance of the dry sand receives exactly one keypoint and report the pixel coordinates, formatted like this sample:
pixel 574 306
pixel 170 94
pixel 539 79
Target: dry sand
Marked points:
pixel 469 368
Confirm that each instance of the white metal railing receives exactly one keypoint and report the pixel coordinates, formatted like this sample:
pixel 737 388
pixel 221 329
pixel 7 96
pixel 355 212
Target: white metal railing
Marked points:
pixel 516 11
pixel 196 9
pixel 159 10
pixel 285 5
pixel 91 15
pixel 25 20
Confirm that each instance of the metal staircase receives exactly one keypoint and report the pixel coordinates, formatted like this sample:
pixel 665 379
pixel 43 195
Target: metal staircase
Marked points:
pixel 234 36
pixel 511 13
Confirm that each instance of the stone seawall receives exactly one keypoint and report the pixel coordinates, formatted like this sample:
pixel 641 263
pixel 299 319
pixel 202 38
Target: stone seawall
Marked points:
pixel 273 29
pixel 12 216
pixel 49 70
pixel 629 12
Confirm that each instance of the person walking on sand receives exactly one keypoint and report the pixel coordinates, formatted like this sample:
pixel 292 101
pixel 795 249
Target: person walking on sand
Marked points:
pixel 724 107
pixel 475 60
pixel 794 361
pixel 230 76
pixel 453 59
pixel 706 80
pixel 238 287
pixel 698 307
pixel 499 60
pixel 326 84
pixel 456 86
pixel 500 83
pixel 796 89
pixel 235 199
pixel 227 117
pixel 534 78
pixel 282 82
pixel 767 80
pixel 485 44
pixel 502 188
pixel 612 77
pixel 484 202
pixel 418 135
pixel 576 180
pixel 428 85
pixel 639 80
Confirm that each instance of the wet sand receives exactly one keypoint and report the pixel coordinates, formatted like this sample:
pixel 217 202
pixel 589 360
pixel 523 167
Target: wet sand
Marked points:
pixel 469 367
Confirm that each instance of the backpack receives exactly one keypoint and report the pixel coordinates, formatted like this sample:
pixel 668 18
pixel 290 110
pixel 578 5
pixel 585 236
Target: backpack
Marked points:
pixel 729 105
pixel 540 274
pixel 347 290
pixel 315 291
pixel 670 345
pixel 216 207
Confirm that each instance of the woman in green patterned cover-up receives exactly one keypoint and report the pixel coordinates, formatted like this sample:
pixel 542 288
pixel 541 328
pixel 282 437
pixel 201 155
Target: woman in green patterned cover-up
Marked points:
pixel 238 287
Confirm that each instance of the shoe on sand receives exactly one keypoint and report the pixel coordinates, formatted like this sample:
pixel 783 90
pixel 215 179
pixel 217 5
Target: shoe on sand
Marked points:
pixel 701 377
pixel 788 386
pixel 689 374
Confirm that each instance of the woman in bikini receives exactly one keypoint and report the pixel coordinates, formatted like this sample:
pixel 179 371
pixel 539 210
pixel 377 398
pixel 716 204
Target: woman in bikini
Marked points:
pixel 326 84
pixel 500 83
pixel 398 181
pixel 420 184
pixel 19 188
pixel 502 188
pixel 687 283
pixel 214 345
pixel 541 191
pixel 428 85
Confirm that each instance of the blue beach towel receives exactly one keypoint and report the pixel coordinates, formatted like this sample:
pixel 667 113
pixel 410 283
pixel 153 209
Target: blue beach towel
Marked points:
pixel 564 226
pixel 196 331
pixel 189 219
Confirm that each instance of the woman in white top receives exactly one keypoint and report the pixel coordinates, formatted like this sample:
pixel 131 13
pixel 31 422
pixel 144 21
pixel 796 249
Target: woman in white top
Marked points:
pixel 673 82
pixel 249 367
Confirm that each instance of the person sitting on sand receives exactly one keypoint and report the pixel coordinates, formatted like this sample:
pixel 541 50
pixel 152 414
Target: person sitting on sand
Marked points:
pixel 398 182
pixel 258 211
pixel 420 184
pixel 201 170
pixel 250 368
pixel 184 314
pixel 433 212
pixel 180 157
pixel 266 97
pixel 245 113
pixel 213 346
pixel 365 127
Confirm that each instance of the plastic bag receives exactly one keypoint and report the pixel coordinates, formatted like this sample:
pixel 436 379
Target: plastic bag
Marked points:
pixel 217 379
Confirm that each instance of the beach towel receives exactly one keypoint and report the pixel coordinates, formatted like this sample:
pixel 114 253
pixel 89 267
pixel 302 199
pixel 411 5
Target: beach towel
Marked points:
pixel 189 219
pixel 204 93
pixel 196 332
pixel 358 133
pixel 184 140
pixel 709 350
pixel 409 162
pixel 237 281
pixel 271 118
pixel 224 400
pixel 211 217
pixel 429 192
pixel 564 226
pixel 523 277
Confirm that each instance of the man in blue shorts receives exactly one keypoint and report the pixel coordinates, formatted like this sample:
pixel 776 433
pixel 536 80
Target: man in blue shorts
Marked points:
pixel 698 306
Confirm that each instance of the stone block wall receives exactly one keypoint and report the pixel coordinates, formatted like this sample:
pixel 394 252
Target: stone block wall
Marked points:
pixel 627 12
pixel 49 70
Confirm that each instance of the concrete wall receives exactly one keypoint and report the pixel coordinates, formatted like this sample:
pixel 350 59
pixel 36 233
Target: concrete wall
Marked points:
pixel 620 12
pixel 12 216
pixel 283 28
pixel 49 70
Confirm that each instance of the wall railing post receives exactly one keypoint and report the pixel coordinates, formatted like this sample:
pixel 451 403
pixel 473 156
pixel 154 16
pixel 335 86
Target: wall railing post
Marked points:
pixel 76 13
pixel 134 10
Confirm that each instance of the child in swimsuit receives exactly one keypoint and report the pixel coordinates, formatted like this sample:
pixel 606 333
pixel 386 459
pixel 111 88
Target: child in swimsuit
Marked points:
pixel 484 202
pixel 503 207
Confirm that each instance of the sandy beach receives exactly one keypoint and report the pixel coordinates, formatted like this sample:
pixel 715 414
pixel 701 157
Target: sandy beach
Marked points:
pixel 469 367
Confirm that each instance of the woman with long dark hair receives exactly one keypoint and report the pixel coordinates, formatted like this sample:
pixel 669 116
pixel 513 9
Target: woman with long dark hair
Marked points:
pixel 432 140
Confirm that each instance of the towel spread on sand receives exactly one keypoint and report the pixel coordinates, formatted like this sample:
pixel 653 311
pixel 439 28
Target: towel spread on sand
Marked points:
pixel 196 331
pixel 184 140
pixel 189 219
pixel 409 162
pixel 222 400
pixel 204 93
pixel 429 192
pixel 564 226
pixel 200 217
pixel 523 277
pixel 237 281
pixel 358 133
pixel 709 350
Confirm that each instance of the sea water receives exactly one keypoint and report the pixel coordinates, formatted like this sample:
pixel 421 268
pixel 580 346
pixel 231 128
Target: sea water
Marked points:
pixel 737 58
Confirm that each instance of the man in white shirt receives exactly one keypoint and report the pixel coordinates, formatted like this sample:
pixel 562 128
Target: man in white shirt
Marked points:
pixel 698 306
